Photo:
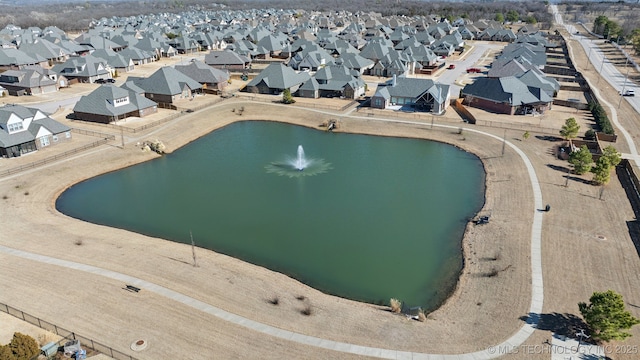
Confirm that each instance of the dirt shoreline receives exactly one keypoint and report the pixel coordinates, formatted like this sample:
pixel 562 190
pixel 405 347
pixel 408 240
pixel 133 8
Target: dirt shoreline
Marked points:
pixel 493 306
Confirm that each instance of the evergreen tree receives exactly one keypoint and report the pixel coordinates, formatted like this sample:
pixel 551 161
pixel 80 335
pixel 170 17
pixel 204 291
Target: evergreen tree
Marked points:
pixel 606 316
pixel 602 172
pixel 286 97
pixel 612 156
pixel 570 129
pixel 581 160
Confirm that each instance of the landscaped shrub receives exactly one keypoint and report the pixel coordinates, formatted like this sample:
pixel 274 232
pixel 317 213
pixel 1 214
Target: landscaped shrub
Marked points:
pixel 21 347
pixel 601 118
pixel 6 353
pixel 396 305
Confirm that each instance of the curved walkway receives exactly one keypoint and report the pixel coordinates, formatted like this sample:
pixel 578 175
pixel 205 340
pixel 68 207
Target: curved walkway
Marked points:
pixel 490 352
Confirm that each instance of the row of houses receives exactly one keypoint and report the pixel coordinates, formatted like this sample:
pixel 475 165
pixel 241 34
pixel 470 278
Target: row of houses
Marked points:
pixel 369 43
pixel 321 55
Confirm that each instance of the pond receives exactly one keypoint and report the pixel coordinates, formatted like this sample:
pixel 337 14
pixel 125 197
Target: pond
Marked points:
pixel 369 219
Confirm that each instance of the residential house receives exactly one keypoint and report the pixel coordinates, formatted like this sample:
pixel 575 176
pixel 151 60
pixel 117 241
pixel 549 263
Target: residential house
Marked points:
pixel 12 58
pixel 115 60
pixel 185 44
pixel 27 82
pixel 506 95
pixel 84 69
pixel 355 62
pixel 157 48
pixel 167 85
pixel 212 79
pixel 138 56
pixel 109 103
pixel 227 59
pixel 469 31
pixel 98 42
pixel 24 130
pixel 311 61
pixel 46 49
pixel 334 81
pixel 275 78
pixel 510 67
pixel 423 95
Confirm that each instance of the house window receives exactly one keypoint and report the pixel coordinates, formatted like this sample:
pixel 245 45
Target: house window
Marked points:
pixel 44 141
pixel 67 134
pixel 378 102
pixel 121 101
pixel 13 127
pixel 55 138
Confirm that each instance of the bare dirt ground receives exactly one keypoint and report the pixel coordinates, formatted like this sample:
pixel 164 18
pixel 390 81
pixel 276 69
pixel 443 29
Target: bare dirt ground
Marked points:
pixel 586 248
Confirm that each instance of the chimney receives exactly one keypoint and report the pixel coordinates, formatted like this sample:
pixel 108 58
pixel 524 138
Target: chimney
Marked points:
pixel 393 81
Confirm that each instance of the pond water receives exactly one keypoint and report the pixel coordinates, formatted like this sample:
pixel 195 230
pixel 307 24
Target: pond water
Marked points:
pixel 383 217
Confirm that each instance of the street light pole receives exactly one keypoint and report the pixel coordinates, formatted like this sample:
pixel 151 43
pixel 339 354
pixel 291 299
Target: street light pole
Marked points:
pixel 589 54
pixel 601 67
pixel 625 82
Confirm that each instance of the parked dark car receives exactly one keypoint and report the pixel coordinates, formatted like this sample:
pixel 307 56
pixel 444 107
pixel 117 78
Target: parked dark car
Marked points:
pixel 101 81
pixel 111 81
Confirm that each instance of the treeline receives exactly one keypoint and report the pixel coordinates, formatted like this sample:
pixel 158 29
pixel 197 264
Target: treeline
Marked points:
pixel 74 16
pixel 618 22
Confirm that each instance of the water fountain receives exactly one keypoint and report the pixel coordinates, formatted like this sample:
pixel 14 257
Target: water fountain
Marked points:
pixel 300 162
pixel 299 166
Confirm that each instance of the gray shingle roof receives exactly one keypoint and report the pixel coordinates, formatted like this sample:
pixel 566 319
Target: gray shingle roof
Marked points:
pixel 27 78
pixel 203 73
pixel 84 66
pixel 226 57
pixel 166 81
pixel 29 133
pixel 413 88
pixel 101 101
pixel 279 76
pixel 508 90
pixel 15 57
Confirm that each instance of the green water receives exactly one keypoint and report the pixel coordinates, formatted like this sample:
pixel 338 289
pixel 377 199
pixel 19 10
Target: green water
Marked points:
pixel 385 220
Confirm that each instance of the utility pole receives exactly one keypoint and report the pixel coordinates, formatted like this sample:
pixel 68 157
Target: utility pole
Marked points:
pixel 625 82
pixel 193 249
pixel 601 67
pixel 504 141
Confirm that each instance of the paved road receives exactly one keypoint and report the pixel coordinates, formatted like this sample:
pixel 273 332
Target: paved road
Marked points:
pixel 600 63
pixel 612 75
pixel 471 59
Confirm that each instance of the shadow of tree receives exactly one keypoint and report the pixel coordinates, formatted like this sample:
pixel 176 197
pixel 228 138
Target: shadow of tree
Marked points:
pixel 558 168
pixel 548 138
pixel 561 324
pixel 581 180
